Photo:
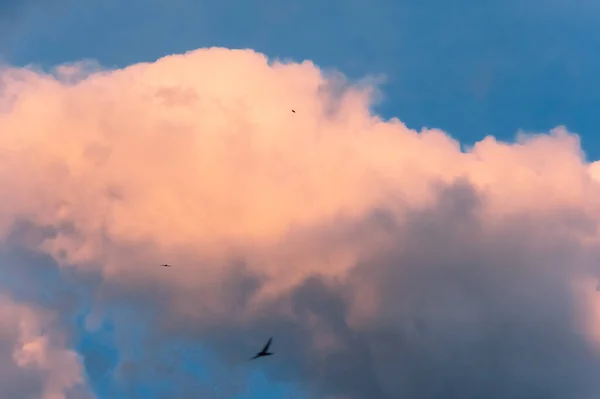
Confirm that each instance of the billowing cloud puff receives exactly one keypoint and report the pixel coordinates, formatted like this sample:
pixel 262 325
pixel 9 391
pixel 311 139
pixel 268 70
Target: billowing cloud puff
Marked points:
pixel 387 262
pixel 35 362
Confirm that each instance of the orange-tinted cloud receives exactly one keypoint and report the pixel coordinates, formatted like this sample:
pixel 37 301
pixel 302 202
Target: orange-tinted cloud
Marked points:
pixel 361 233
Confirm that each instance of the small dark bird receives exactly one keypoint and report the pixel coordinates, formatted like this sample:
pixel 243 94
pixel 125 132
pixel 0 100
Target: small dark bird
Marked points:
pixel 166 265
pixel 293 111
pixel 265 351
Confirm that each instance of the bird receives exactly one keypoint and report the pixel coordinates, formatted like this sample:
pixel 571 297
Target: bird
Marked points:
pixel 166 265
pixel 293 111
pixel 265 351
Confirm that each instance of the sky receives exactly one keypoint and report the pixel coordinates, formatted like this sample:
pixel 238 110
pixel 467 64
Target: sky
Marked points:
pixel 425 224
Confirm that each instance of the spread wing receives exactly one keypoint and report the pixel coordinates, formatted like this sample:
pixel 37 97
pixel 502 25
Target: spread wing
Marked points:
pixel 266 348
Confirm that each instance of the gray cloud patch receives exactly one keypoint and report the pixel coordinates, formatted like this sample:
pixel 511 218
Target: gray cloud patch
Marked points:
pixel 467 311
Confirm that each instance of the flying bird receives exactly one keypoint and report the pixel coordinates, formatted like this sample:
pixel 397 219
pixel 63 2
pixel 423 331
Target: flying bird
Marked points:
pixel 293 111
pixel 265 351
pixel 166 265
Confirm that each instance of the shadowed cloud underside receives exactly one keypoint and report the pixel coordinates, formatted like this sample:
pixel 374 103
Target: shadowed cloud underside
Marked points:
pixel 386 262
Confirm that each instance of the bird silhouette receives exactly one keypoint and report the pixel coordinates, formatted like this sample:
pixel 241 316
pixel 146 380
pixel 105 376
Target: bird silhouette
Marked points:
pixel 265 351
pixel 293 111
pixel 166 265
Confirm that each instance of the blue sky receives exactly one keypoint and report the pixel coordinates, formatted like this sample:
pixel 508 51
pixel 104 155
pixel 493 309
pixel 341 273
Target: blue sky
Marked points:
pixel 471 68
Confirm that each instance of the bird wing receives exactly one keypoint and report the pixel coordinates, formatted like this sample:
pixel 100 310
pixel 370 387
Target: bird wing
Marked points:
pixel 266 348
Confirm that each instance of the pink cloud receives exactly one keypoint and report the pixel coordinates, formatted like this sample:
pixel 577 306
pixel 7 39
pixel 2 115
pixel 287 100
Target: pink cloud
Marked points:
pixel 198 161
pixel 36 353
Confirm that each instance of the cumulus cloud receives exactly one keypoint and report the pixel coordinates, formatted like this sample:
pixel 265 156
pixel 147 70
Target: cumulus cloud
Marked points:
pixel 386 261
pixel 35 361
